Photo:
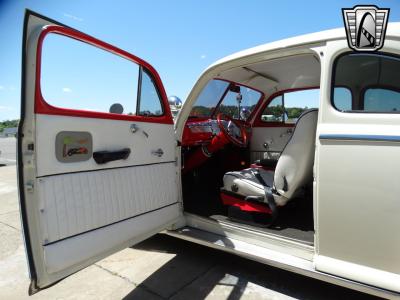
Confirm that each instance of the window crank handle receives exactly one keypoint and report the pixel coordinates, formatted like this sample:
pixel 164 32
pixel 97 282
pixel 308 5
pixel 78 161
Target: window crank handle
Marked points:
pixel 159 152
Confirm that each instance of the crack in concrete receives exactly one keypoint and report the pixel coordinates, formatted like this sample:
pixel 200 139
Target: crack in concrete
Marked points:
pixel 129 281
pixel 10 226
pixel 116 274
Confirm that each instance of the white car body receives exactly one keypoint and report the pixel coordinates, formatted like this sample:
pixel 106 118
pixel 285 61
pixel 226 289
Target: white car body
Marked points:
pixel 135 198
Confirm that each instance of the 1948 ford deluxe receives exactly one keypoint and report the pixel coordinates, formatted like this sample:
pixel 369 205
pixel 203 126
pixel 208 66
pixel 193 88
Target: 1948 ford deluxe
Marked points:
pixel 287 153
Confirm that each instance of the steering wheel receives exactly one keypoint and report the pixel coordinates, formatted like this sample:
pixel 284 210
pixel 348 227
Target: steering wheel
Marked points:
pixel 238 140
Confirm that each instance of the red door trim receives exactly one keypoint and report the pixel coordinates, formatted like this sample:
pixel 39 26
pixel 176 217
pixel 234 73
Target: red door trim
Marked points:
pixel 42 107
pixel 257 122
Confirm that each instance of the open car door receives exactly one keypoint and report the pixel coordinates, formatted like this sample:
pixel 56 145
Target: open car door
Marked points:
pixel 94 177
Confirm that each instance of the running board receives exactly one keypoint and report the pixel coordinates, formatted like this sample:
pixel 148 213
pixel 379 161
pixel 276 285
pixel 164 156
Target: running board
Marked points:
pixel 272 258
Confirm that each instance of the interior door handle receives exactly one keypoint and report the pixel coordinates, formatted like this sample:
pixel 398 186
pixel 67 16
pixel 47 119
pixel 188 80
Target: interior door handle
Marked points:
pixel 159 152
pixel 102 157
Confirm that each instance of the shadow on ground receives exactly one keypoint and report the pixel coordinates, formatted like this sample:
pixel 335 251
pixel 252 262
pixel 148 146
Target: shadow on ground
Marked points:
pixel 216 274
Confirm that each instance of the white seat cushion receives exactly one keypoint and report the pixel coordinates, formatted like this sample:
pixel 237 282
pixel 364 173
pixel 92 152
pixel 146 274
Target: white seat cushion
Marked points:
pixel 245 183
pixel 293 169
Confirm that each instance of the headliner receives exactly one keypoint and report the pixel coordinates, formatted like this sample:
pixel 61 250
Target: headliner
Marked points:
pixel 291 72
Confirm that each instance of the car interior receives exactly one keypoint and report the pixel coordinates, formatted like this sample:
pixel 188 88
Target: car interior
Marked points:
pixel 248 147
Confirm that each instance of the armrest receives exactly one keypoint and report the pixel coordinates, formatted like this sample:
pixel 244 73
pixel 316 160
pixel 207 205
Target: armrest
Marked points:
pixel 102 157
pixel 268 163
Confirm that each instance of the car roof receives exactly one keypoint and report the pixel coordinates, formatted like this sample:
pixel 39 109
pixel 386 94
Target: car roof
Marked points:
pixel 393 30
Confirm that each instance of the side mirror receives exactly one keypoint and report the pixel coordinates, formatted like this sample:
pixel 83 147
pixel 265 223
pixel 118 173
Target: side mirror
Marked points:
pixel 116 108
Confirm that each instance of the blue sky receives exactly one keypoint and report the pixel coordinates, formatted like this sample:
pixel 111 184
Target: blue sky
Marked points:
pixel 179 38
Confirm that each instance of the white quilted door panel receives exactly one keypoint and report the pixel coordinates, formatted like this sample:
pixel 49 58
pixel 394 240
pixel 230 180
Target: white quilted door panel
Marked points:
pixel 72 204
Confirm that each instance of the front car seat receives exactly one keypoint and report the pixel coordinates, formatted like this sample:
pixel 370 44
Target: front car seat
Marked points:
pixel 293 170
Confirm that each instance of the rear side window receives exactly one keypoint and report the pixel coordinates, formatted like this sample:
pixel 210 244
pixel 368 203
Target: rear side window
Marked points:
pixel 76 75
pixel 371 83
pixel 377 99
pixel 343 98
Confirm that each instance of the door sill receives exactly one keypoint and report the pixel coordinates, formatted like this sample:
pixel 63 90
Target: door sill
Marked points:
pixel 299 236
pixel 251 235
pixel 267 256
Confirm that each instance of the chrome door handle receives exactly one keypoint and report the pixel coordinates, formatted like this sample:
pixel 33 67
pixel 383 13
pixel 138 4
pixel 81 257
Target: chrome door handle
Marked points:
pixel 159 152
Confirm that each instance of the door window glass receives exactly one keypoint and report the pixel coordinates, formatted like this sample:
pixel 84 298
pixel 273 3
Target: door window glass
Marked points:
pixel 150 104
pixel 299 101
pixel 288 107
pixel 76 75
pixel 274 112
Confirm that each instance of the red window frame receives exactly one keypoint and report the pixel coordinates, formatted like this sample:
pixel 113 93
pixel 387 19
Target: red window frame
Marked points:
pixel 42 107
pixel 257 122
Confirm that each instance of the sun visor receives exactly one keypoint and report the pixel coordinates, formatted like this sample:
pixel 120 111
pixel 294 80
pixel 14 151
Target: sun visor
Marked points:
pixel 248 77
pixel 262 83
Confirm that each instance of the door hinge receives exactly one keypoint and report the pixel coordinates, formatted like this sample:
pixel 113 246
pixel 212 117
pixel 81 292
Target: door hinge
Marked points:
pixel 31 147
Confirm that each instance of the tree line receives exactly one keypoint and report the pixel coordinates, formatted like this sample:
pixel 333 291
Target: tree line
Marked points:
pixel 8 124
pixel 277 111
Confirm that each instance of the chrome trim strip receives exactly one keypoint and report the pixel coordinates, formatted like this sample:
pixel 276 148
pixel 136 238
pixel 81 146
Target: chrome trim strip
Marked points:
pixel 360 137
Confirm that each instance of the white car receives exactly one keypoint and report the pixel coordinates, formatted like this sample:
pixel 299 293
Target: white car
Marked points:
pixel 319 197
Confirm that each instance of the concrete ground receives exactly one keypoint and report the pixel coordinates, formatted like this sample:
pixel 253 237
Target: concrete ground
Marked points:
pixel 7 150
pixel 161 267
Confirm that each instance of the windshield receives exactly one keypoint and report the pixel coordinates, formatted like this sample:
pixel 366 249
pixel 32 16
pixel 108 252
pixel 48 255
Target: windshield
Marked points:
pixel 238 101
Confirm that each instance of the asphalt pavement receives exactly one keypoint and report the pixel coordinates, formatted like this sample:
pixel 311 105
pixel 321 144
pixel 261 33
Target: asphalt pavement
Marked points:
pixel 161 267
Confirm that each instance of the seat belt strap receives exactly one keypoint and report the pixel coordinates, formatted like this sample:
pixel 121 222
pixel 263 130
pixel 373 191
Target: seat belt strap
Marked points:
pixel 271 203
pixel 268 195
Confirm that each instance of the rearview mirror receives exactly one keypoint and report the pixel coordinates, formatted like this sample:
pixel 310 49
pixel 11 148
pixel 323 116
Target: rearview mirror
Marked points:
pixel 234 88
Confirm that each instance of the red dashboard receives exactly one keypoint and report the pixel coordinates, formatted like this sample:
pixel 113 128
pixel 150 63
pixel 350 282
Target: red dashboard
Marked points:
pixel 199 132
